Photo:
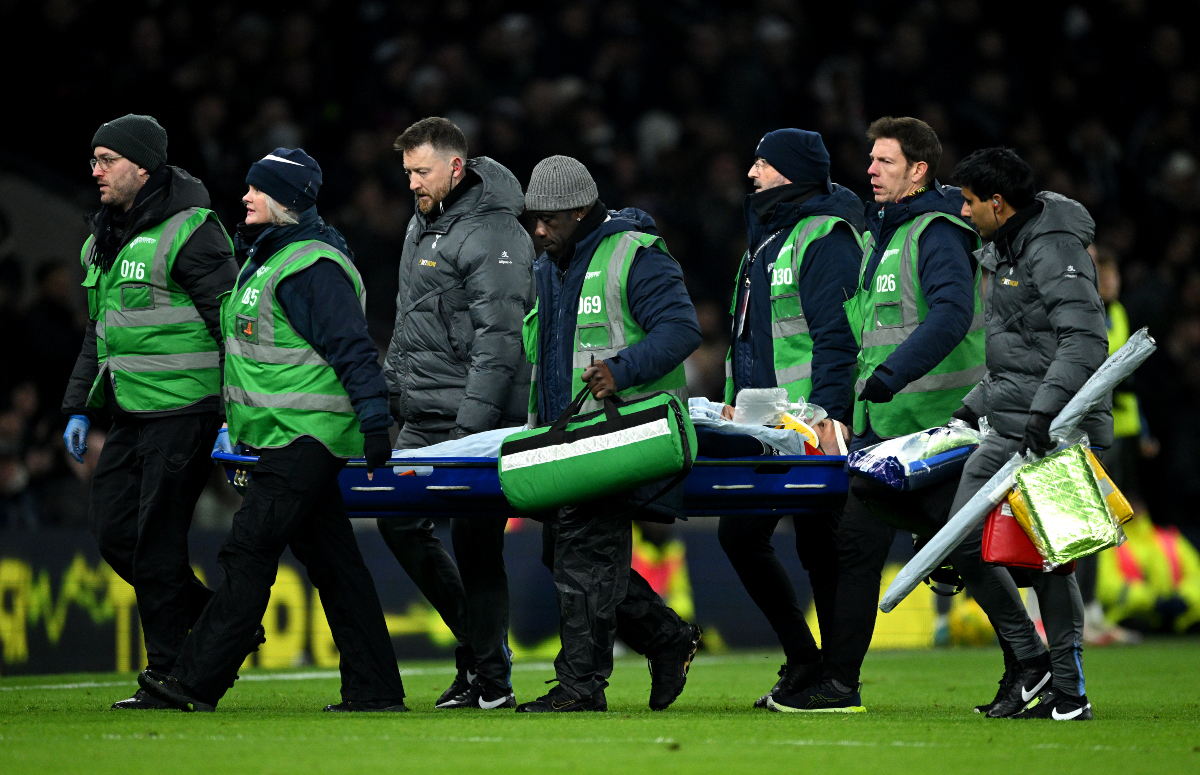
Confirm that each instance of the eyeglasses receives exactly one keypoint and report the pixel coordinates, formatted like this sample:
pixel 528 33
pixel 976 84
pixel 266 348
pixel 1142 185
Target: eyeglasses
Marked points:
pixel 105 162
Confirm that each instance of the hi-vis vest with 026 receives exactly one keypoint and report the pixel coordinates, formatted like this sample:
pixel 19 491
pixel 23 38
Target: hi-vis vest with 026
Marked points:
pixel 885 313
pixel 277 387
pixel 604 326
pixel 150 340
pixel 790 340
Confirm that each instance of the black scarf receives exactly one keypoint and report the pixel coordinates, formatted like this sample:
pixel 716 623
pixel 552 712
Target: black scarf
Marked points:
pixel 764 202
pixel 111 225
pixel 587 225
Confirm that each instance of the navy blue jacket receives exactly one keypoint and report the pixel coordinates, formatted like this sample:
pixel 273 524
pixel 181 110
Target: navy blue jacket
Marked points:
pixel 658 300
pixel 946 271
pixel 321 305
pixel 828 275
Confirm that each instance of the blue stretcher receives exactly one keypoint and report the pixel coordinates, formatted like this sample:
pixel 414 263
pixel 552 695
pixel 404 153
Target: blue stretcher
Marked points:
pixel 467 486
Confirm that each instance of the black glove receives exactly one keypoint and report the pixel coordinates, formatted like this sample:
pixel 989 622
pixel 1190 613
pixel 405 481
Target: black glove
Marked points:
pixel 875 391
pixel 377 449
pixel 968 416
pixel 1037 434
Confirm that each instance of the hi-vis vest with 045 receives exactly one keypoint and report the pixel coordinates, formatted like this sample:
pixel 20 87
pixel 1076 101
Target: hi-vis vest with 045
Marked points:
pixel 150 340
pixel 604 326
pixel 885 313
pixel 277 388
pixel 790 340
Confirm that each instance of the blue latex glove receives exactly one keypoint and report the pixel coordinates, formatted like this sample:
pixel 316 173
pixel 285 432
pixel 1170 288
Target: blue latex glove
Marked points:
pixel 222 443
pixel 75 436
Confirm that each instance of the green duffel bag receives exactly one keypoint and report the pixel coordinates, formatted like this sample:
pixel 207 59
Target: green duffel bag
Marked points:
pixel 582 457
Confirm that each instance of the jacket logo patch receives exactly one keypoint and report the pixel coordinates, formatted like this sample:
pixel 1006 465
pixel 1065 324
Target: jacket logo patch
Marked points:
pixel 591 275
pixel 505 261
pixel 435 239
pixel 1006 281
pixel 504 254
pixel 143 241
pixel 427 262
pixel 247 329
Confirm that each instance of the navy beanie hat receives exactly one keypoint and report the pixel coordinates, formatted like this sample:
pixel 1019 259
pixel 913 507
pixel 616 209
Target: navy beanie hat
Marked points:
pixel 289 176
pixel 800 156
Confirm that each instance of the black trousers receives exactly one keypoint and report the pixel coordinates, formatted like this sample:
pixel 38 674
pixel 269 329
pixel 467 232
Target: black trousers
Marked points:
pixel 472 596
pixel 293 500
pixel 747 543
pixel 144 491
pixel 600 596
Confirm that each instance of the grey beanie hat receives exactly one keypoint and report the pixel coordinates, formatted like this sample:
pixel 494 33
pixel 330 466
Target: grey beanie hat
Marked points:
pixel 138 138
pixel 560 183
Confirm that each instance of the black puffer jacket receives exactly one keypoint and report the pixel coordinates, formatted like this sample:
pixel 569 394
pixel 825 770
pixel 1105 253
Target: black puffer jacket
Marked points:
pixel 204 269
pixel 466 282
pixel 1045 321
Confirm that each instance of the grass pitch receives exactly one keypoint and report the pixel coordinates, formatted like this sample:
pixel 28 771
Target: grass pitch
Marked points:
pixel 1146 701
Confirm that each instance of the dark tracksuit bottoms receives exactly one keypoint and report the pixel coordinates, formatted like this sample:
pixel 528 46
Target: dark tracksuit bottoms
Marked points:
pixel 293 500
pixel 472 596
pixel 149 476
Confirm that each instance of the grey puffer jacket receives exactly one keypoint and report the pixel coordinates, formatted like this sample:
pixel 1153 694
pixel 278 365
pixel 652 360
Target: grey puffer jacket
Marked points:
pixel 1045 321
pixel 455 361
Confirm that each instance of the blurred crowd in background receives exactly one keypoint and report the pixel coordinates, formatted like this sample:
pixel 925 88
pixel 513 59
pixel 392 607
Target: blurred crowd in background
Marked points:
pixel 664 101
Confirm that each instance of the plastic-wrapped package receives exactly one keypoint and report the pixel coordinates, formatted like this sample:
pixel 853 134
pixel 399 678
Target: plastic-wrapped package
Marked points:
pixel 918 459
pixel 760 406
pixel 1059 503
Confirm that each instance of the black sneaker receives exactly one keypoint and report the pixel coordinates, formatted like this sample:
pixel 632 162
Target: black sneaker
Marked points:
pixel 368 706
pixel 792 678
pixel 824 697
pixel 557 701
pixel 175 694
pixel 483 697
pixel 1058 705
pixel 1020 692
pixel 464 660
pixel 142 700
pixel 1011 671
pixel 669 669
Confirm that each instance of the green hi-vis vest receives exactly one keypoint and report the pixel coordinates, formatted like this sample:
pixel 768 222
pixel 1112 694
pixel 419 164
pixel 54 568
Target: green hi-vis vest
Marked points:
pixel 150 339
pixel 1127 418
pixel 790 341
pixel 604 325
pixel 277 388
pixel 886 313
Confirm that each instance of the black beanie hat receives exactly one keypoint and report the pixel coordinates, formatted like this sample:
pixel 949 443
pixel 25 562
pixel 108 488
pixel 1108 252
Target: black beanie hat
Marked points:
pixel 799 155
pixel 138 138
pixel 289 176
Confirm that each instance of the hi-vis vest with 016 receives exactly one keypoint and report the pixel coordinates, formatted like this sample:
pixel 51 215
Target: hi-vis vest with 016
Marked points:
pixel 604 326
pixel 790 340
pixel 885 313
pixel 277 388
pixel 150 340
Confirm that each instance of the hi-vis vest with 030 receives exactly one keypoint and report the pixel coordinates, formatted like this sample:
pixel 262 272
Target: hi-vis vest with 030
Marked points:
pixel 790 340
pixel 885 313
pixel 604 326
pixel 277 388
pixel 149 336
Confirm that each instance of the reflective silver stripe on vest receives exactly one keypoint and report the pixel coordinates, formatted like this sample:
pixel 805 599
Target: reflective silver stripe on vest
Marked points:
pixel 313 402
pixel 581 359
pixel 266 299
pixel 157 316
pixel 592 405
pixel 876 336
pixel 785 327
pixel 284 356
pixel 172 362
pixel 933 382
pixel 793 373
pixel 531 418
pixel 612 292
pixel 159 269
pixel 160 313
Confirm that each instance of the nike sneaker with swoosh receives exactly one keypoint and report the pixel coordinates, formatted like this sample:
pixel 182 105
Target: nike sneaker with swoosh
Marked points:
pixel 792 678
pixel 1029 682
pixel 823 697
pixel 464 660
pixel 480 696
pixel 557 701
pixel 1058 705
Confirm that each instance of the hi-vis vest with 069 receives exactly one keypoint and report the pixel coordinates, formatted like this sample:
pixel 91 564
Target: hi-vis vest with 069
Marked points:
pixel 277 388
pixel 604 326
pixel 885 313
pixel 790 340
pixel 150 340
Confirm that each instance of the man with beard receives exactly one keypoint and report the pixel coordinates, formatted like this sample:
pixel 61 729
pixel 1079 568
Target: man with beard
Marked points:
pixel 455 367
pixel 156 263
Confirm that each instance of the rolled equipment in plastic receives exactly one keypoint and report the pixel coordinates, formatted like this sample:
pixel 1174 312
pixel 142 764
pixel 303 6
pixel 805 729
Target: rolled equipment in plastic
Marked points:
pixel 1111 373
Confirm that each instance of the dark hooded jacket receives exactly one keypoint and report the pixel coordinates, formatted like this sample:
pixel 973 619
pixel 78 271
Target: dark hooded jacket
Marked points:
pixel 946 272
pixel 204 268
pixel 455 362
pixel 1046 332
pixel 828 275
